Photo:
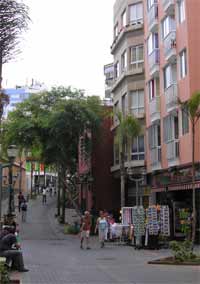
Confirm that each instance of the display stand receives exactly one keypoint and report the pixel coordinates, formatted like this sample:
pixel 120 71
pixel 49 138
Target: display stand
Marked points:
pixel 127 215
pixel 158 223
pixel 139 225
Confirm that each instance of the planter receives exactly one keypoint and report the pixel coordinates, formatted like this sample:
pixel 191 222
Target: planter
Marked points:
pixel 171 261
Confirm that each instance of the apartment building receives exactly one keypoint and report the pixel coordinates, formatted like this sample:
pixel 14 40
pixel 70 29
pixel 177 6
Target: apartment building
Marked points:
pixel 172 69
pixel 128 87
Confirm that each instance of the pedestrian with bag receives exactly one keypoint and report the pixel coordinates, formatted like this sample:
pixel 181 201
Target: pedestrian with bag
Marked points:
pixel 24 210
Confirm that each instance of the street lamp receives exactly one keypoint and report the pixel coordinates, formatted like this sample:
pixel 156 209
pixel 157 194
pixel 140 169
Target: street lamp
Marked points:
pixel 12 152
pixel 137 177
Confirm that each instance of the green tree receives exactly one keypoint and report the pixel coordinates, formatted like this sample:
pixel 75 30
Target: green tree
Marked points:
pixel 127 129
pixel 192 108
pixel 52 123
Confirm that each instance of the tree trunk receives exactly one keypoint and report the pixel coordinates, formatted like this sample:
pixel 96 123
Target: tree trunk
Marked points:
pixel 63 179
pixel 31 179
pixel 122 176
pixel 20 176
pixel 44 176
pixel 58 190
pixel 193 186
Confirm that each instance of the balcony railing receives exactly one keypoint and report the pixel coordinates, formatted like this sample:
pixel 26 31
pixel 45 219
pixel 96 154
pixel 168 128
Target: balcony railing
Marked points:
pixel 168 5
pixel 155 155
pixel 173 150
pixel 171 95
pixel 154 107
pixel 154 60
pixel 170 45
pixel 137 66
pixel 153 16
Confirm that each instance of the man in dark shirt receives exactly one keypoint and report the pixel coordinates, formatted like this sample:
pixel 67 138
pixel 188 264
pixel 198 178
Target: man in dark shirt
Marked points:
pixel 11 254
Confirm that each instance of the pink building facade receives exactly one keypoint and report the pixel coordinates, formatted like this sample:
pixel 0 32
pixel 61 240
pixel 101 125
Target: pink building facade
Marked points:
pixel 172 69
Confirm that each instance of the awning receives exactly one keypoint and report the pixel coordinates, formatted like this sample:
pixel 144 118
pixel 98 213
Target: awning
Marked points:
pixel 172 187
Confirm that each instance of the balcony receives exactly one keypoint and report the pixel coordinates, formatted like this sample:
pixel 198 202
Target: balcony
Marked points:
pixel 131 27
pixel 153 18
pixel 136 67
pixel 155 155
pixel 138 112
pixel 132 69
pixel 169 6
pixel 173 152
pixel 154 107
pixel 170 47
pixel 154 60
pixel 171 97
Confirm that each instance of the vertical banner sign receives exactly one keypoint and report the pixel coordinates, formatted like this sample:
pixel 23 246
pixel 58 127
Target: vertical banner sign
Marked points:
pixel 28 166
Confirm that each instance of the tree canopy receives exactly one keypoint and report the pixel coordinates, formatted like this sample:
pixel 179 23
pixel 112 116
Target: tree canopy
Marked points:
pixel 51 124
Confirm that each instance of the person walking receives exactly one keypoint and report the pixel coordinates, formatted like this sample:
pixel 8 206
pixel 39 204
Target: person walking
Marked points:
pixel 20 200
pixel 24 210
pixel 101 226
pixel 85 229
pixel 44 195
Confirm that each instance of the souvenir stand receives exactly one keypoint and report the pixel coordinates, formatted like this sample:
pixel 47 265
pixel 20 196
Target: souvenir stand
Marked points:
pixel 138 214
pixel 157 223
pixel 127 224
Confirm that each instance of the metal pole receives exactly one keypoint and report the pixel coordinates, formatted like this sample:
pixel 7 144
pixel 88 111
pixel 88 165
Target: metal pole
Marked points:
pixel 10 200
pixel 136 182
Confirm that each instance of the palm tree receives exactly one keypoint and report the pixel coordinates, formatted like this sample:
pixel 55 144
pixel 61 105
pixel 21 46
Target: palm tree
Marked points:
pixel 192 107
pixel 127 129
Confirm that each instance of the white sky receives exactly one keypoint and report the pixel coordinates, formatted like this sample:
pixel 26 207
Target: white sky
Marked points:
pixel 68 44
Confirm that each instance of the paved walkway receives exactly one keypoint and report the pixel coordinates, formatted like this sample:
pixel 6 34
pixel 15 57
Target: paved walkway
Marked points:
pixel 54 258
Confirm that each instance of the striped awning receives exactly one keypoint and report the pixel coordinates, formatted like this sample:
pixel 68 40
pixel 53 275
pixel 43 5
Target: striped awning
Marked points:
pixel 180 186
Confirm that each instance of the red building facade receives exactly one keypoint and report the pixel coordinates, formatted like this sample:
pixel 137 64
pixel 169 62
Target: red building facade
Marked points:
pixel 97 188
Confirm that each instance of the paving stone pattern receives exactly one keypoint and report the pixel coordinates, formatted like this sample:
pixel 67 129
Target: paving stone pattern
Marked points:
pixel 54 258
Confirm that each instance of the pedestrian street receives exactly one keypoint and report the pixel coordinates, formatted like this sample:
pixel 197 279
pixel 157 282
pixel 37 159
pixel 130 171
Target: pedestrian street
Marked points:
pixel 55 258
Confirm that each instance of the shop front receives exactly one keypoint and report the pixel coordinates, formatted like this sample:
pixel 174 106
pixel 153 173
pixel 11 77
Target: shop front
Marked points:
pixel 175 190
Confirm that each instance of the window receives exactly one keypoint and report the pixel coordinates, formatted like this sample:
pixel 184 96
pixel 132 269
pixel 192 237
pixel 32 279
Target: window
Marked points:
pixel 154 136
pixel 167 76
pixel 152 42
pixel 137 102
pixel 124 19
pixel 137 56
pixel 171 129
pixel 124 61
pixel 124 104
pixel 168 25
pixel 183 64
pixel 181 10
pixel 137 152
pixel 152 89
pixel 185 120
pixel 150 3
pixel 170 76
pixel 136 13
pixel 116 31
pixel 116 109
pixel 116 70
